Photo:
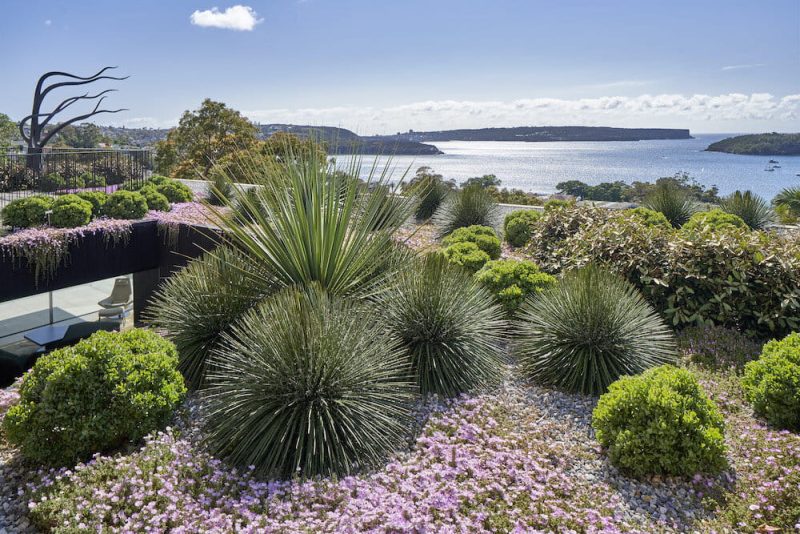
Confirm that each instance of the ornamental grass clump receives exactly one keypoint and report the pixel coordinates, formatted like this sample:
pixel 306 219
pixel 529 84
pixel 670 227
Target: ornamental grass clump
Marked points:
pixel 432 191
pixel 448 325
pixel 518 225
pixel 660 423
pixel 95 396
pixel 469 206
pixel 483 236
pixel 676 205
pixel 751 208
pixel 588 330
pixel 772 382
pixel 305 385
pixel 512 281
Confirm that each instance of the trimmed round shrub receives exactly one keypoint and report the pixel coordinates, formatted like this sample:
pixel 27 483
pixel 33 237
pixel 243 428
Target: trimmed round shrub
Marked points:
pixel 588 330
pixel 713 220
pixel 469 206
pixel 200 302
pixel 155 200
pixel 95 396
pixel 512 281
pixel 175 191
pixel 27 212
pixel 70 211
pixel 448 325
pixel 660 423
pixel 93 180
pixel 772 383
pixel 557 203
pixel 483 236
pixel 518 225
pixel 649 218
pixel 466 255
pixel 306 386
pixel 96 198
pixel 125 205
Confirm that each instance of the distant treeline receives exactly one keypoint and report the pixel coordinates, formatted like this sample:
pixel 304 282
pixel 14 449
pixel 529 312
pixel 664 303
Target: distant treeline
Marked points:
pixel 636 191
pixel 768 144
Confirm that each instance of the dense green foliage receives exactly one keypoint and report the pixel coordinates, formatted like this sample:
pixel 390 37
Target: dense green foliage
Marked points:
pixel 637 191
pixel 305 385
pixel 605 191
pixel 27 212
pixel 53 182
pixel 518 225
pixel 736 278
pixel 97 199
pixel 220 189
pixel 125 205
pixel 557 203
pixel 175 191
pixel 483 236
pixel 467 255
pixel 95 396
pixel 588 330
pixel 93 180
pixel 155 200
pixel 772 383
pixel 675 203
pixel 431 190
pixel 789 200
pixel 469 206
pixel 660 422
pixel 649 217
pixel 767 144
pixel 512 281
pixel 751 208
pixel 448 325
pixel 713 221
pixel 70 211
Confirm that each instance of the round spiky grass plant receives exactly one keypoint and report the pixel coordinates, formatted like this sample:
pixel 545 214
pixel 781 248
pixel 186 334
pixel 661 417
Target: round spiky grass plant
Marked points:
pixel 751 208
pixel 450 327
pixel 470 206
pixel 587 331
pixel 305 385
pixel 674 203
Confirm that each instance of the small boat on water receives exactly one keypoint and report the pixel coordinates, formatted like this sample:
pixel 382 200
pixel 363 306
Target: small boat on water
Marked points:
pixel 769 169
pixel 773 161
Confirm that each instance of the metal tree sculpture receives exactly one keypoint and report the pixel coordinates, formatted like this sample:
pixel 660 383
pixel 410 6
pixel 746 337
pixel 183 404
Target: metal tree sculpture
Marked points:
pixel 37 137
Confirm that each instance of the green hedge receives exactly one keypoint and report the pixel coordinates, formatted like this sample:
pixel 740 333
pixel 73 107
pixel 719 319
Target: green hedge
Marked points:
pixel 125 205
pixel 70 211
pixel 772 383
pixel 27 212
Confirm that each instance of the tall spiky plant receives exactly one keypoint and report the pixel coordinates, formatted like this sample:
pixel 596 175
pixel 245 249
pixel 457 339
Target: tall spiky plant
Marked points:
pixel 432 192
pixel 450 326
pixel 308 385
pixel 469 206
pixel 751 208
pixel 588 330
pixel 676 205
pixel 789 199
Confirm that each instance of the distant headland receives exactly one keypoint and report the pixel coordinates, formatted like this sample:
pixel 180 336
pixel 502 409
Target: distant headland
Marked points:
pixel 767 144
pixel 538 134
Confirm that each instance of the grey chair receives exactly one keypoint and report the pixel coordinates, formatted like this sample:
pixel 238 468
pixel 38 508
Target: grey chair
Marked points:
pixel 120 295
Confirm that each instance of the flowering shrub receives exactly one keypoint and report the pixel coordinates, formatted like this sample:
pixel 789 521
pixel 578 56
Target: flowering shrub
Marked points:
pixel 94 396
pixel 466 255
pixel 717 346
pixel 660 422
pixel 483 236
pixel 772 383
pixel 512 281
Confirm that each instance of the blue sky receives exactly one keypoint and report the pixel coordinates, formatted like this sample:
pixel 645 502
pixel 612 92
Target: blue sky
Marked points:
pixel 380 66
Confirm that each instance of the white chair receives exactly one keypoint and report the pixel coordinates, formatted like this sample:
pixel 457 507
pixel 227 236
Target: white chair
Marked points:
pixel 120 295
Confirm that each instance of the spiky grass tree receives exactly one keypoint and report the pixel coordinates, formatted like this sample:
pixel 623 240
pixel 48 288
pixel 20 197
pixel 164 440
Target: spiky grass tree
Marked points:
pixel 588 330
pixel 432 192
pixel 307 385
pixel 450 327
pixel 471 205
pixel 676 205
pixel 751 208
pixel 305 223
pixel 789 199
pixel 197 304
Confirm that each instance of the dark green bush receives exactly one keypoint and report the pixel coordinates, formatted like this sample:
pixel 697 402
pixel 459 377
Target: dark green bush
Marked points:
pixel 70 211
pixel 448 325
pixel 469 206
pixel 155 200
pixel 518 225
pixel 27 212
pixel 713 221
pixel 588 330
pixel 649 217
pixel 95 396
pixel 466 255
pixel 96 198
pixel 751 208
pixel 555 227
pixel 125 205
pixel 52 182
pixel 660 422
pixel 512 281
pixel 483 236
pixel 175 191
pixel 306 385
pixel 772 382
pixel 431 190
pixel 92 180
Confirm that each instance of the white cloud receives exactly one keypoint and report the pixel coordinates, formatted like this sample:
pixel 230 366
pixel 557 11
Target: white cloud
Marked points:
pixel 744 66
pixel 238 17
pixel 48 22
pixel 668 110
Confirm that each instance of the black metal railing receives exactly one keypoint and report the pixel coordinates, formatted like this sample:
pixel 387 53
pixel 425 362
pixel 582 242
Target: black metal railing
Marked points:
pixel 61 170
